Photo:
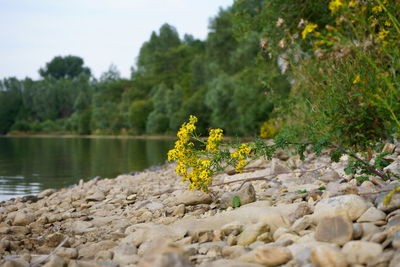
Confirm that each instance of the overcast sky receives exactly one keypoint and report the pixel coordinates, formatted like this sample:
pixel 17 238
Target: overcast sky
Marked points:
pixel 102 32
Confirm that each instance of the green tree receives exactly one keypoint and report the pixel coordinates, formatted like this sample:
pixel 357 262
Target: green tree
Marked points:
pixel 64 67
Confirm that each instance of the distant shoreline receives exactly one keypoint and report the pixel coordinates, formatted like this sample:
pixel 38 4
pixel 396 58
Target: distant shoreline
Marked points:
pixel 155 137
pixel 141 137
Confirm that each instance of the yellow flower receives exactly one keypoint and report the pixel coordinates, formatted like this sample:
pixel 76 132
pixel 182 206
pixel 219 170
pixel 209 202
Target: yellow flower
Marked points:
pixel 388 23
pixel 308 29
pixel 215 136
pixel 357 79
pixel 352 3
pixel 335 5
pixel 377 9
pixel 382 34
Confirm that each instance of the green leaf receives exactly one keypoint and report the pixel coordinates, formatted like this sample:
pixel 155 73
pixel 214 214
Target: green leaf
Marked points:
pixel 322 188
pixel 301 191
pixel 361 179
pixel 335 155
pixel 236 201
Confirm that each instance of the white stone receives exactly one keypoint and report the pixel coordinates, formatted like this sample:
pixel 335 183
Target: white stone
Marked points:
pixel 361 252
pixel 372 215
pixel 351 205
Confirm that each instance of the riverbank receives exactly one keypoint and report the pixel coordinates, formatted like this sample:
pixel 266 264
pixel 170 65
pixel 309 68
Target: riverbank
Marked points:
pixel 295 214
pixel 149 137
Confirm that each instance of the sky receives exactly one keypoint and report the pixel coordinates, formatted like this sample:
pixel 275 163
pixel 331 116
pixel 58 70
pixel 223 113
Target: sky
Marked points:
pixel 102 32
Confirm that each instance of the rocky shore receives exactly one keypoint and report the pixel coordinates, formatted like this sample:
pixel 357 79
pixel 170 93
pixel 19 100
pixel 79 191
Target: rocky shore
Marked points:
pixel 296 213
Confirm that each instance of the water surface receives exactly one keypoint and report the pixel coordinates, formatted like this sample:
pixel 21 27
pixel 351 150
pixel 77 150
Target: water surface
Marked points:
pixel 29 165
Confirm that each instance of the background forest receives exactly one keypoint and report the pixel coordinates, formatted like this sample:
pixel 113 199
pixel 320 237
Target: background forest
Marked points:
pixel 304 67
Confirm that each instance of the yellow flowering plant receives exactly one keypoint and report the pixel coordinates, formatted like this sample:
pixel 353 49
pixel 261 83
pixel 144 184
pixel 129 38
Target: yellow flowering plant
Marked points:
pixel 198 160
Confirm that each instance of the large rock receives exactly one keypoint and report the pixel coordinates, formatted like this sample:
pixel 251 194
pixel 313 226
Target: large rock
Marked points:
pixel 394 203
pixel 361 252
pixel 327 257
pixel 275 217
pixel 351 205
pixel 21 218
pixel 191 197
pixel 246 195
pixel 268 256
pixel 336 229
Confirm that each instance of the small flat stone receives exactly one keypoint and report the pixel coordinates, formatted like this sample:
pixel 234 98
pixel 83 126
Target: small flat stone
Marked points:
pixel 22 218
pixel 372 215
pixel 251 232
pixel 268 256
pixel 97 196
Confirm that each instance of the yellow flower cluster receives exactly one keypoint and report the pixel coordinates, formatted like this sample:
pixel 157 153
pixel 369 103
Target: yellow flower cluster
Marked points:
pixel 215 137
pixel 308 29
pixel 190 166
pixel 240 156
pixel 335 5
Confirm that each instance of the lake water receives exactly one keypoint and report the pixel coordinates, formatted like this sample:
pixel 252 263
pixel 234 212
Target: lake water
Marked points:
pixel 30 165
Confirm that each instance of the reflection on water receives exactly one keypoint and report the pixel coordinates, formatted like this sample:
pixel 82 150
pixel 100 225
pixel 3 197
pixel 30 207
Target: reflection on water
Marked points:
pixel 30 165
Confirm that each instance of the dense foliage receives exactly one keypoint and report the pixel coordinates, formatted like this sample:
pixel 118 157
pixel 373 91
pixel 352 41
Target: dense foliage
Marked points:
pixel 310 70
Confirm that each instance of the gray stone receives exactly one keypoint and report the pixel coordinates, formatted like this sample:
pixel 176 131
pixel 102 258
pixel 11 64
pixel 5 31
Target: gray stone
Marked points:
pixel 46 193
pixel 395 262
pixel 234 251
pixel 327 257
pixel 393 168
pixel 388 148
pixel 69 253
pixel 278 168
pixel 89 251
pixel 97 196
pixel 351 205
pixel 246 195
pixel 330 176
pixel 179 210
pixel 301 224
pixel 234 228
pixel 361 252
pixel 191 197
pixel 394 203
pixel 372 215
pixel 55 261
pixel 21 218
pixel 126 254
pixel 15 263
pixel 163 253
pixel 229 263
pixel 251 232
pixel 396 240
pixel 334 229
pixel 268 256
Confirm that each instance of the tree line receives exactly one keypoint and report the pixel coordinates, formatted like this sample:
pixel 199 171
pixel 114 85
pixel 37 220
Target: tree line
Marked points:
pixel 223 80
